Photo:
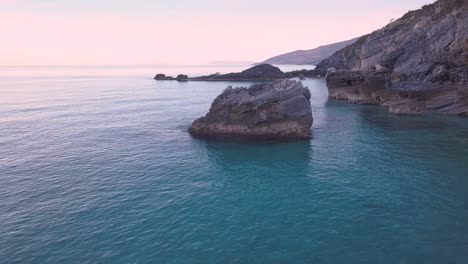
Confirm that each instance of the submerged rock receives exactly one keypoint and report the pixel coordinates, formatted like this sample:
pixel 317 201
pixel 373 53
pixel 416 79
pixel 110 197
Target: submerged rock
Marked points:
pixel 278 110
pixel 407 107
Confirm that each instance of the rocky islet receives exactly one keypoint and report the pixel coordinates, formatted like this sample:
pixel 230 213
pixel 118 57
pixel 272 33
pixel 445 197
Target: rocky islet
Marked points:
pixel 276 110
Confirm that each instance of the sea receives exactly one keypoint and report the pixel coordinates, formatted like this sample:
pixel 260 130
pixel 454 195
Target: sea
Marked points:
pixel 97 166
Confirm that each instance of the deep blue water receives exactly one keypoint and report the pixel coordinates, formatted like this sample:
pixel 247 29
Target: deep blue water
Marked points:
pixel 96 166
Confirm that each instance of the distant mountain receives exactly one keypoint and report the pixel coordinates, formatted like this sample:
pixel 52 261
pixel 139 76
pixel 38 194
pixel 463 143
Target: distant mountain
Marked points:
pixel 309 57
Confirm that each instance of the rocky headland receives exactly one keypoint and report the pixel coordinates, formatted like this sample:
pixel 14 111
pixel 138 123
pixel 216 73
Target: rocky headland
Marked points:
pixel 262 72
pixel 258 73
pixel 275 110
pixel 413 65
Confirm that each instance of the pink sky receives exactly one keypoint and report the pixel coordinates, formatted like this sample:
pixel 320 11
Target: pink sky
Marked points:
pixel 103 36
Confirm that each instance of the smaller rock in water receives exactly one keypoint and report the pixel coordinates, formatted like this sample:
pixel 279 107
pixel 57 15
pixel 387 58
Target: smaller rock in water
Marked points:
pixel 276 110
pixel 163 77
pixel 160 76
pixel 182 78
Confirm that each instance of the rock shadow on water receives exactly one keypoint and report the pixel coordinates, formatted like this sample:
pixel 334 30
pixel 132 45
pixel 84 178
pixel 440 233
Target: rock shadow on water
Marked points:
pixel 246 140
pixel 270 156
pixel 250 150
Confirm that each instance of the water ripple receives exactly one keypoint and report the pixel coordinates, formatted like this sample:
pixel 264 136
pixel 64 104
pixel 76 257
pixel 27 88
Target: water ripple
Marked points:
pixel 99 169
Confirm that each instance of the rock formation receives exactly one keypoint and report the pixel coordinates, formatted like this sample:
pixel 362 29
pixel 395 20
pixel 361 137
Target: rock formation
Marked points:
pixel 263 72
pixel 258 73
pixel 416 63
pixel 182 78
pixel 276 110
pixel 163 77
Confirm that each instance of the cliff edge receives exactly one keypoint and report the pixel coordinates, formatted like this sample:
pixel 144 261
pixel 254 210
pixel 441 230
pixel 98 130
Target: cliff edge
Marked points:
pixel 416 63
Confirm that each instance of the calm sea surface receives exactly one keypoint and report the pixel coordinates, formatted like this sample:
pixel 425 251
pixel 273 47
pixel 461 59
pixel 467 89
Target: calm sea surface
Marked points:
pixel 96 166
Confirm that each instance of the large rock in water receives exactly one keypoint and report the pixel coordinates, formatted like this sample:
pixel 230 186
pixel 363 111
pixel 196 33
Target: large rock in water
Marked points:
pixel 276 110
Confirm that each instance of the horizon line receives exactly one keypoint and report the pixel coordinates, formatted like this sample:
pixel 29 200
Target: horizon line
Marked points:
pixel 130 65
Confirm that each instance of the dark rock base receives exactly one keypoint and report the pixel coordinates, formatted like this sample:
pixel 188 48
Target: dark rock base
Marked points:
pixel 402 98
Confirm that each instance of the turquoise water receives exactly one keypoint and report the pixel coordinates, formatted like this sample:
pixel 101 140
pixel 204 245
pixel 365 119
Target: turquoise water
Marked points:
pixel 96 166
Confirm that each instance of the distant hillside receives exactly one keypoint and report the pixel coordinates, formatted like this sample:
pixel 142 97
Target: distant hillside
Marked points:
pixel 309 57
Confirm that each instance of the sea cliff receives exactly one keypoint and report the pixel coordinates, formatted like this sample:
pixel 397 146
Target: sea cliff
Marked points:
pixel 414 64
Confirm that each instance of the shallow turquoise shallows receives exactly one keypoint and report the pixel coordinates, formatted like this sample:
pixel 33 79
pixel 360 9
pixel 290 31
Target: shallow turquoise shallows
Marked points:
pixel 96 166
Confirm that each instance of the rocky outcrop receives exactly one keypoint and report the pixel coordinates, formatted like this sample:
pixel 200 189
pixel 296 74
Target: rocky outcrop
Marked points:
pixel 276 110
pixel 182 78
pixel 429 44
pixel 258 73
pixel 376 87
pixel 420 59
pixel 163 77
pixel 263 72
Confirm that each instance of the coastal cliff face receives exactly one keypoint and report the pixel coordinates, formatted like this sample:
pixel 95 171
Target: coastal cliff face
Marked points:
pixel 429 44
pixel 415 63
pixel 277 110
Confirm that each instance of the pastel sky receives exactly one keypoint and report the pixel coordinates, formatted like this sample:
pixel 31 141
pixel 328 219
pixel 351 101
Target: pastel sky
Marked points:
pixel 134 32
